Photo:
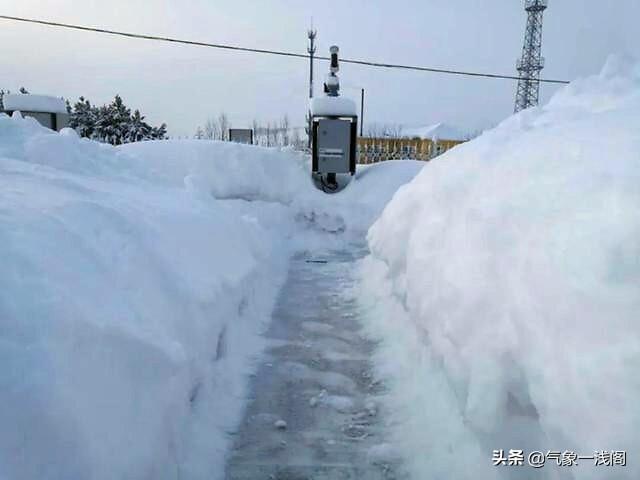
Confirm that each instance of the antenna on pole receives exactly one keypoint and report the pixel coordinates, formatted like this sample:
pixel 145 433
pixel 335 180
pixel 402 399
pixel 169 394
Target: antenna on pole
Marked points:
pixel 311 50
pixel 532 61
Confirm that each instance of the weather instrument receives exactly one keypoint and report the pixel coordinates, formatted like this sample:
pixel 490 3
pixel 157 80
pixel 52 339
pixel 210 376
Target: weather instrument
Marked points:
pixel 334 133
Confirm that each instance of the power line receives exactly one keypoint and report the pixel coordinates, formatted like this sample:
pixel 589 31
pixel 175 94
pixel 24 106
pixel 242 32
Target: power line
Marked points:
pixel 267 51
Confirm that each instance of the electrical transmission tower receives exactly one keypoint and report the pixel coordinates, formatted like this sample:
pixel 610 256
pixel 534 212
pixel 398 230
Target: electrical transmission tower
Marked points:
pixel 532 61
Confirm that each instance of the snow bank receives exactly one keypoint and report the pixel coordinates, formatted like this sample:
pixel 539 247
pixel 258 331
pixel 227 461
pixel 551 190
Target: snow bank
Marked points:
pixel 28 102
pixel 229 171
pixel 504 286
pixel 129 309
pixel 224 170
pixel 373 187
pixel 135 283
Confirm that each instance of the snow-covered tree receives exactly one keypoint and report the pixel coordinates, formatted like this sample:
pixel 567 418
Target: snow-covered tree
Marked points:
pixel 297 141
pixel 159 133
pixel 278 133
pixel 224 125
pixel 83 117
pixel 284 131
pixel 138 130
pixel 211 129
pixel 273 134
pixel 256 132
pixel 112 123
pixel 216 128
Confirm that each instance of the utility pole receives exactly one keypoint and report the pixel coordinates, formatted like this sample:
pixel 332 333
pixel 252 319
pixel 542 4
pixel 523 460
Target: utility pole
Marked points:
pixel 311 49
pixel 532 61
pixel 361 110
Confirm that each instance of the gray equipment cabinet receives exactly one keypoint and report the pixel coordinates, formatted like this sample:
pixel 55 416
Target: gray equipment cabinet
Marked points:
pixel 334 144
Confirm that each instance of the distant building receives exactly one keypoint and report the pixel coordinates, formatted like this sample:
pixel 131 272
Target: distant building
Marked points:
pixel 422 143
pixel 50 112
pixel 241 135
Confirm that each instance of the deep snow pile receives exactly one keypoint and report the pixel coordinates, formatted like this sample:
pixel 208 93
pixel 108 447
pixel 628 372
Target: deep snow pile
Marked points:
pixel 134 285
pixel 505 287
pixel 277 177
pixel 128 311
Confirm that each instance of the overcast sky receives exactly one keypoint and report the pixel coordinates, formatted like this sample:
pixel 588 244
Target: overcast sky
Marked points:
pixel 183 85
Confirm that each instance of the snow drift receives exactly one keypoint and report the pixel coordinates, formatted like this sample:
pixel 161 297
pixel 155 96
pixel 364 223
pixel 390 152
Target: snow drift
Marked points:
pixel 135 283
pixel 129 309
pixel 277 177
pixel 504 283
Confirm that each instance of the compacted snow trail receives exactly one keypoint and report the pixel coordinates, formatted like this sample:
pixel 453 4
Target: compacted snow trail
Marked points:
pixel 313 412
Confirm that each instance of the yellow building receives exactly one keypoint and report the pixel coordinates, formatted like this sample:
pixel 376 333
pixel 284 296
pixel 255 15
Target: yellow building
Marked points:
pixel 414 144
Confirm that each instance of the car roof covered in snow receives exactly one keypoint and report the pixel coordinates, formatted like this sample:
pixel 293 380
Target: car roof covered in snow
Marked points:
pixel 27 102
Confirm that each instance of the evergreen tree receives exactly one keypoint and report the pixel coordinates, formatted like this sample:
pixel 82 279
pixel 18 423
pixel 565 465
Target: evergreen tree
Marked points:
pixel 138 130
pixel 83 118
pixel 159 133
pixel 112 123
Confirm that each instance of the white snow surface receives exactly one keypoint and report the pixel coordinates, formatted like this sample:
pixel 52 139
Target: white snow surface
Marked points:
pixel 134 286
pixel 28 102
pixel 332 106
pixel 504 286
pixel 438 131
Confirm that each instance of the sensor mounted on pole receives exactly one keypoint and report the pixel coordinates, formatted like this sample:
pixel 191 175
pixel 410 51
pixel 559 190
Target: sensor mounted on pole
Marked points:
pixel 334 133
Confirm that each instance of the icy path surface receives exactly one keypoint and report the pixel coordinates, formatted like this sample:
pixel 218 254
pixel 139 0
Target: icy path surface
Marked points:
pixel 313 412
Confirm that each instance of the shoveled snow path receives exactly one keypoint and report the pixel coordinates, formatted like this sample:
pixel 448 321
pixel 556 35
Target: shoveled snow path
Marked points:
pixel 313 412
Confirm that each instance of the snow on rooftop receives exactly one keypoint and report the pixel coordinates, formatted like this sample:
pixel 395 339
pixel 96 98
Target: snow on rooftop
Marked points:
pixel 33 103
pixel 439 131
pixel 332 106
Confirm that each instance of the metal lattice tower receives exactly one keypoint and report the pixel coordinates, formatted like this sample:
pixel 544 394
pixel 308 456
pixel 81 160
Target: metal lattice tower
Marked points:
pixel 532 61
